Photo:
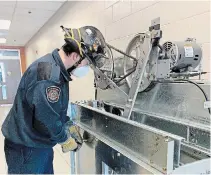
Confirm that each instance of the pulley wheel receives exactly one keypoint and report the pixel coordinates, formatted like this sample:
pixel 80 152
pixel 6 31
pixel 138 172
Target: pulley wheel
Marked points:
pixel 134 49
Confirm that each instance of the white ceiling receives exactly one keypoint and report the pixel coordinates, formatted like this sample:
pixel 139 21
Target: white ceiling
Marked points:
pixel 24 25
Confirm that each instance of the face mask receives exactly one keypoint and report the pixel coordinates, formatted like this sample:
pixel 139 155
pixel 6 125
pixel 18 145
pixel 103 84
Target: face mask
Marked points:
pixel 80 71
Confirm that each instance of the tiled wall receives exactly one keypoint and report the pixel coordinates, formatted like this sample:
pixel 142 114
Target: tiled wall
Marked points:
pixel 119 21
pixel 179 20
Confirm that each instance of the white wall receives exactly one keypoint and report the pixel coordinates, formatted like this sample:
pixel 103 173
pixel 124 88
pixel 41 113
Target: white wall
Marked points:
pixel 119 21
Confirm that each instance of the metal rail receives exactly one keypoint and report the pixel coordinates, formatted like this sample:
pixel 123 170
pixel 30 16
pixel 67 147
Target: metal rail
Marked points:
pixel 149 143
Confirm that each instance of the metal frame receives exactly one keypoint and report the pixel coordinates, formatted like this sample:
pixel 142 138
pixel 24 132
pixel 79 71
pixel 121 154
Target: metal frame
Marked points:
pixel 134 130
pixel 119 149
pixel 138 76
pixel 96 120
pixel 199 167
pixel 146 51
pixel 190 128
pixel 107 82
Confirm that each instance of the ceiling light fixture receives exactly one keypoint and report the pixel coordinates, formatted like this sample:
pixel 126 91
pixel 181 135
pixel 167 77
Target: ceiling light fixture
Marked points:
pixel 5 24
pixel 3 40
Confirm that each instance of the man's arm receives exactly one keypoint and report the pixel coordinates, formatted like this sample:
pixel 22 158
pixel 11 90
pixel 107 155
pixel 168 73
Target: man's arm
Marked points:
pixel 49 119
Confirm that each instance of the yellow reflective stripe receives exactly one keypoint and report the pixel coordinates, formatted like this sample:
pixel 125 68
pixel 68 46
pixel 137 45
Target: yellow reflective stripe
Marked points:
pixel 69 37
pixel 72 32
pixel 79 34
pixel 79 44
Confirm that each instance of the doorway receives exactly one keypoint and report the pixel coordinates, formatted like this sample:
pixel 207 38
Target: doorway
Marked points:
pixel 10 75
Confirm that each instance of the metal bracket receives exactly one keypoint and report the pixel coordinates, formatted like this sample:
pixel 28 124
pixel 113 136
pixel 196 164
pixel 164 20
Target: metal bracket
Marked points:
pixel 105 82
pixel 138 76
pixel 149 38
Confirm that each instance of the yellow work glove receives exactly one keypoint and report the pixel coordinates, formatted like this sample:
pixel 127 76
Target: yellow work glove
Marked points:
pixel 69 145
pixel 74 132
pixel 74 142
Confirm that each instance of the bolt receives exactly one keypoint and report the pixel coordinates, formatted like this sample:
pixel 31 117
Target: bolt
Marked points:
pixel 148 35
pixel 166 140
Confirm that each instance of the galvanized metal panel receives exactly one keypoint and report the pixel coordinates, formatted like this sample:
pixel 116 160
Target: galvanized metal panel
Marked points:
pixel 177 108
pixel 97 157
pixel 105 155
pixel 199 167
pixel 195 134
pixel 180 101
pixel 150 145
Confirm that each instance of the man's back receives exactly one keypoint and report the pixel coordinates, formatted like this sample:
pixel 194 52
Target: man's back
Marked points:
pixel 40 105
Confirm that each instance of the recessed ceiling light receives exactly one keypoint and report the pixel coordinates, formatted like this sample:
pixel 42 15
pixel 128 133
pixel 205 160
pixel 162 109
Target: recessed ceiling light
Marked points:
pixel 3 40
pixel 5 24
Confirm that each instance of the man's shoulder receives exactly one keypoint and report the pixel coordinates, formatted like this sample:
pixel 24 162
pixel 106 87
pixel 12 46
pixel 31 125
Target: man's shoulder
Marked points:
pixel 45 68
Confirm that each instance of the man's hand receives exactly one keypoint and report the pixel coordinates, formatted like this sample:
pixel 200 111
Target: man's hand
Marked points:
pixel 74 133
pixel 70 145
pixel 74 142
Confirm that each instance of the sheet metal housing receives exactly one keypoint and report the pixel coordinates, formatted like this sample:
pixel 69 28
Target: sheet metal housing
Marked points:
pixel 162 130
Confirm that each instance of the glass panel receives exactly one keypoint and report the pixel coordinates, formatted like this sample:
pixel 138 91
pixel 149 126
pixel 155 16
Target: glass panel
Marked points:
pixel 9 53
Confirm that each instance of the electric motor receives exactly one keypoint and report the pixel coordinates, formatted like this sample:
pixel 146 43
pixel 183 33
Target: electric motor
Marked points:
pixel 182 55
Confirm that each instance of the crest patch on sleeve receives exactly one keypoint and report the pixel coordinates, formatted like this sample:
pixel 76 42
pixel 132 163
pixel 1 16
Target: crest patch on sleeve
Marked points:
pixel 53 93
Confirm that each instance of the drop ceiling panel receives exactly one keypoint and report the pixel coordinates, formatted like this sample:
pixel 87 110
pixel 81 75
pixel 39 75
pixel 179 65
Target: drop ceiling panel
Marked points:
pixel 6 12
pixel 25 25
pixel 23 29
pixel 19 41
pixel 35 13
pixel 44 5
pixel 7 3
pixel 6 16
pixel 27 19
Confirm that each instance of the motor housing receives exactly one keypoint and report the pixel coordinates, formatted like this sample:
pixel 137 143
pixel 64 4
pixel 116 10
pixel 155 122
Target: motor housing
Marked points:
pixel 182 55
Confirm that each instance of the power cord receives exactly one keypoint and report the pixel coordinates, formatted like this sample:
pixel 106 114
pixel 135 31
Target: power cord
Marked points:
pixel 205 95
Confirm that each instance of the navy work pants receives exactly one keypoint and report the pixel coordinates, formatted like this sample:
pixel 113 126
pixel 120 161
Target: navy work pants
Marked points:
pixel 25 160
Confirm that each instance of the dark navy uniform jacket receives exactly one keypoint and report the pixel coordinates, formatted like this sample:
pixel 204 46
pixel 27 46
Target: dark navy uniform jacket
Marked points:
pixel 39 112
